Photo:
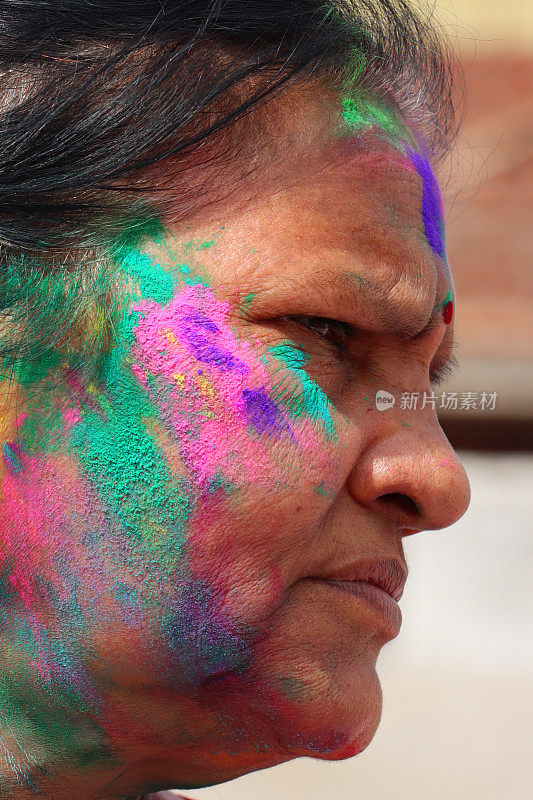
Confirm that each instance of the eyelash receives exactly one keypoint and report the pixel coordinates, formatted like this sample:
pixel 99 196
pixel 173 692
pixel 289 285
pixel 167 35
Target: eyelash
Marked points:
pixel 437 377
pixel 339 332
pixel 344 332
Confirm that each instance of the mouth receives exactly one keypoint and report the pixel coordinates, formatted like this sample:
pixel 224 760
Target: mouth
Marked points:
pixel 388 574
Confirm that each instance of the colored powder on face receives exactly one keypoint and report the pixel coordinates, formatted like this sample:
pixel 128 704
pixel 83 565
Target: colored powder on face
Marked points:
pixel 79 740
pixel 203 413
pixel 201 638
pixel 119 456
pixel 35 371
pixel 112 442
pixel 71 416
pixel 447 312
pixel 447 309
pixel 292 687
pixel 128 469
pixel 26 705
pixel 261 411
pixel 432 210
pixel 208 349
pixel 323 491
pixel 195 244
pixel 309 400
pixel 186 322
pixel 154 281
pixel 247 299
pixel 140 374
pixel 126 597
pixel 44 430
pixel 199 318
pixel 205 416
pixel 11 458
pixel 360 113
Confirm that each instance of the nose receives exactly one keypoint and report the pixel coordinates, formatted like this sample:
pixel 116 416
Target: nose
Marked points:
pixel 413 476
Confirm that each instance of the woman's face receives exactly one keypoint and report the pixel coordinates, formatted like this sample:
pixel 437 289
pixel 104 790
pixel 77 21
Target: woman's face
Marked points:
pixel 169 530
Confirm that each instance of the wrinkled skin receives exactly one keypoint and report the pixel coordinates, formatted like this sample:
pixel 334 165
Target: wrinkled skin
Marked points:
pixel 189 643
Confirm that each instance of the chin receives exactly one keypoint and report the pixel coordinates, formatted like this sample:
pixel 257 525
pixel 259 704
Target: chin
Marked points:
pixel 339 726
pixel 331 714
pixel 324 698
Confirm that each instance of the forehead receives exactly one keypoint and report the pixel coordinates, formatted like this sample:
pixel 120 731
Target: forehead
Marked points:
pixel 350 212
pixel 319 201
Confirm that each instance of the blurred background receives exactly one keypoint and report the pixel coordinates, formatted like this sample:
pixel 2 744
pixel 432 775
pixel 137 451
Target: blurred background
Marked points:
pixel 458 681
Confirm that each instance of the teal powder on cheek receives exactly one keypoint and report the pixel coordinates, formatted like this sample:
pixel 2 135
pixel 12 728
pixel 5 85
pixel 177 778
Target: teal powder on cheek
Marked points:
pixel 195 244
pixel 447 299
pixel 76 738
pixel 154 282
pixel 323 491
pixel 247 299
pixel 11 458
pixel 310 401
pixel 113 444
pixel 292 687
pixel 126 466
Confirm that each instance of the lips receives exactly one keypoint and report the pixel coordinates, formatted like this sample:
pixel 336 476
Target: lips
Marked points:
pixel 389 574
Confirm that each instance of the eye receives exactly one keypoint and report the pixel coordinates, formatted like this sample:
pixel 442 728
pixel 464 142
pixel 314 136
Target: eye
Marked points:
pixel 333 331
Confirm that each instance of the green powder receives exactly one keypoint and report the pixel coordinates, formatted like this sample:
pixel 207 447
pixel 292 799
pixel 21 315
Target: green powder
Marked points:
pixel 198 244
pixel 310 400
pixel 323 491
pixel 361 112
pixel 447 299
pixel 154 282
pixel 292 687
pixel 125 464
pixel 34 715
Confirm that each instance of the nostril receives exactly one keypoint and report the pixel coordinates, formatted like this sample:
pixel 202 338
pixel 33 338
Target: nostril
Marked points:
pixel 401 502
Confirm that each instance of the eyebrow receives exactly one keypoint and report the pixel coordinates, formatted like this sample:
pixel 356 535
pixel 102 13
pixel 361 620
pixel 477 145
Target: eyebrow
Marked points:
pixel 351 287
pixel 407 331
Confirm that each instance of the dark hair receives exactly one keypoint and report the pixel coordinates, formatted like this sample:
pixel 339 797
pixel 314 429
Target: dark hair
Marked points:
pixel 95 93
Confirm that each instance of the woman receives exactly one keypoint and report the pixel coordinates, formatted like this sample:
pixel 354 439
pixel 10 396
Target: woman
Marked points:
pixel 222 240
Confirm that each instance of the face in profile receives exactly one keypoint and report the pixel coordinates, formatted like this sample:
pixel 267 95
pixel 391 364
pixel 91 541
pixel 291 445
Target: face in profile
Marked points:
pixel 185 536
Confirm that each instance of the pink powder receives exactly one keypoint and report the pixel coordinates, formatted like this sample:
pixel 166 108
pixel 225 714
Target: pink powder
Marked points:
pixel 139 373
pixel 206 411
pixel 34 527
pixel 71 417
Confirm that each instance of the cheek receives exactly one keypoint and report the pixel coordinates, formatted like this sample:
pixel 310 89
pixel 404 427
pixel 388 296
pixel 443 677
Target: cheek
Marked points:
pixel 236 412
pixel 251 433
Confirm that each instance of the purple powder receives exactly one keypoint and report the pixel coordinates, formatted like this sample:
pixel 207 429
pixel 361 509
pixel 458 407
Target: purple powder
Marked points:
pixel 199 318
pixel 201 334
pixel 432 211
pixel 260 410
